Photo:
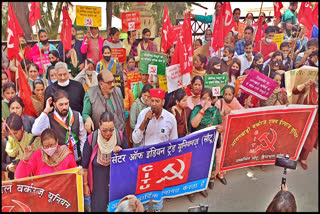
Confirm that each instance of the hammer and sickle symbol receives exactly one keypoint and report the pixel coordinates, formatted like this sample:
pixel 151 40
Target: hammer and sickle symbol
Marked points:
pixel 269 143
pixel 173 171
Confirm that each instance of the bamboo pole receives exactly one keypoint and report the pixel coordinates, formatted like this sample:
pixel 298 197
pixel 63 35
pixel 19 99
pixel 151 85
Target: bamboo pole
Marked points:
pixel 44 71
pixel 13 136
pixel 255 31
pixel 25 64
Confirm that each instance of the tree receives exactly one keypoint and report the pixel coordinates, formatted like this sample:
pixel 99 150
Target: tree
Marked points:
pixel 175 9
pixel 115 8
pixel 21 11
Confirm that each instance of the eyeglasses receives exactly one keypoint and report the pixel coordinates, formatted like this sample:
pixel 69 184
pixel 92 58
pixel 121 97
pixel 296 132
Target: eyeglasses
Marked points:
pixel 107 130
pixel 109 82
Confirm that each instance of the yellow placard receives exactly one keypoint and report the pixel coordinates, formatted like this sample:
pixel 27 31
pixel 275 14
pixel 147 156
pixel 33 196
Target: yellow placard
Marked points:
pixel 88 16
pixel 278 38
pixel 163 82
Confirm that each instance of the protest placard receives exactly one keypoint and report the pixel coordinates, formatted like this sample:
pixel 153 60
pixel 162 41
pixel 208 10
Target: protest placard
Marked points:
pixel 174 78
pixel 88 16
pixel 296 77
pixel 130 21
pixel 239 81
pixel 174 168
pixel 278 39
pixel 133 78
pixel 119 83
pixel 163 82
pixel 265 133
pixel 119 53
pixel 46 62
pixel 55 192
pixel 216 82
pixel 152 63
pixel 241 27
pixel 258 85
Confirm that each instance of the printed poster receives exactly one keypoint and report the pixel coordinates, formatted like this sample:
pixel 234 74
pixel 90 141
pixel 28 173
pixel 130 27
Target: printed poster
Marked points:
pixel 88 16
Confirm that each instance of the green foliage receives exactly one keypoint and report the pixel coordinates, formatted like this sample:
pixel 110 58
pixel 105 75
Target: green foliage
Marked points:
pixel 118 7
pixel 175 10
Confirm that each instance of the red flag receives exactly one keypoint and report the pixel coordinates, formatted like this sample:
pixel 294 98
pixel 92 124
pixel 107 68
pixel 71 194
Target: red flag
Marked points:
pixel 65 34
pixel 277 7
pixel 305 15
pixel 228 18
pixel 25 93
pixel 14 32
pixel 34 13
pixel 315 15
pixel 258 36
pixel 217 39
pixel 166 30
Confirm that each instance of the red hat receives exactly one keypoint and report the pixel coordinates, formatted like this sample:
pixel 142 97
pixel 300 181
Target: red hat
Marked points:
pixel 157 93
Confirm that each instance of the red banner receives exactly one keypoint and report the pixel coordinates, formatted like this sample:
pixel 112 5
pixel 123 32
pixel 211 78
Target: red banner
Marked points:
pixel 56 192
pixel 119 53
pixel 265 133
pixel 130 21
pixel 176 32
pixel 133 78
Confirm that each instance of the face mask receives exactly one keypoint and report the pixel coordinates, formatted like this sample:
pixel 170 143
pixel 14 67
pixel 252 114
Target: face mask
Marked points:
pixel 131 68
pixel 285 56
pixel 107 58
pixel 316 63
pixel 145 39
pixel 216 71
pixel 202 102
pixel 73 37
pixel 248 54
pixel 249 22
pixel 268 40
pixel 180 106
pixel 94 36
pixel 23 45
pixel 234 71
pixel 228 101
pixel 142 100
pixel 53 81
pixel 208 39
pixel 259 66
pixel 225 58
pixel 6 101
pixel 236 18
pixel 45 41
pixel 54 63
pixel 50 151
pixel 66 83
pixel 89 73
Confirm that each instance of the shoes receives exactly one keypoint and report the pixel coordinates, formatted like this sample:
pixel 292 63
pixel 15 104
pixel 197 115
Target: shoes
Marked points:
pixel 211 185
pixel 191 197
pixel 304 165
pixel 223 180
pixel 204 193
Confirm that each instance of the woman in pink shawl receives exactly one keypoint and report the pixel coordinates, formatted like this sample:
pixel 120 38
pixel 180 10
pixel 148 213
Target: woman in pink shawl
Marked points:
pixel 49 159
pixel 92 45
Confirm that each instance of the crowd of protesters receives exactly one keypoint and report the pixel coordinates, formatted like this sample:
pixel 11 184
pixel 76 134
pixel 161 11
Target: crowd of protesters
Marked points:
pixel 81 117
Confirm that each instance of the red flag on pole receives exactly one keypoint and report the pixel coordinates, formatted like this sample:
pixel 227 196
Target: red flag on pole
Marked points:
pixel 65 34
pixel 217 38
pixel 315 15
pixel 166 30
pixel 228 18
pixel 25 93
pixel 258 36
pixel 277 7
pixel 14 32
pixel 305 15
pixel 34 13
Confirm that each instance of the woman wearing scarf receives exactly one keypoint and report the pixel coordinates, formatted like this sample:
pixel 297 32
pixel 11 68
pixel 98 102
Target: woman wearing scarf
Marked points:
pixel 87 77
pixel 37 96
pixel 132 45
pixel 206 115
pixel 18 140
pixel 33 72
pixel 8 92
pixel 107 62
pixel 49 159
pixel 92 45
pixel 96 161
pixel 194 91
pixel 146 44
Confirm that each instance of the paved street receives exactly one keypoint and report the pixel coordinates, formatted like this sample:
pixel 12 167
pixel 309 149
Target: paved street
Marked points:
pixel 254 193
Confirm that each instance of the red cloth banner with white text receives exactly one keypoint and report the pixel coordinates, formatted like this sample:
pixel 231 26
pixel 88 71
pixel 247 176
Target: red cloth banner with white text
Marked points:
pixel 265 133
pixel 130 21
pixel 55 192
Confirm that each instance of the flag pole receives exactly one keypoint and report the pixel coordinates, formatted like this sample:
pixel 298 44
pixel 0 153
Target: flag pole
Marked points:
pixel 255 31
pixel 25 65
pixel 44 72
pixel 296 40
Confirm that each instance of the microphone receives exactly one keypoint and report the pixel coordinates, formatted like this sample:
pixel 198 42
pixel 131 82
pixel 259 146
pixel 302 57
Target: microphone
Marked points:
pixel 148 120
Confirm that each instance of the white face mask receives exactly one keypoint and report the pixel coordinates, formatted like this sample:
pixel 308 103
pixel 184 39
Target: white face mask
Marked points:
pixel 285 56
pixel 6 101
pixel 94 36
pixel 89 73
pixel 248 54
pixel 53 81
pixel 249 22
pixel 225 58
pixel 268 40
pixel 316 63
pixel 142 100
pixel 66 83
